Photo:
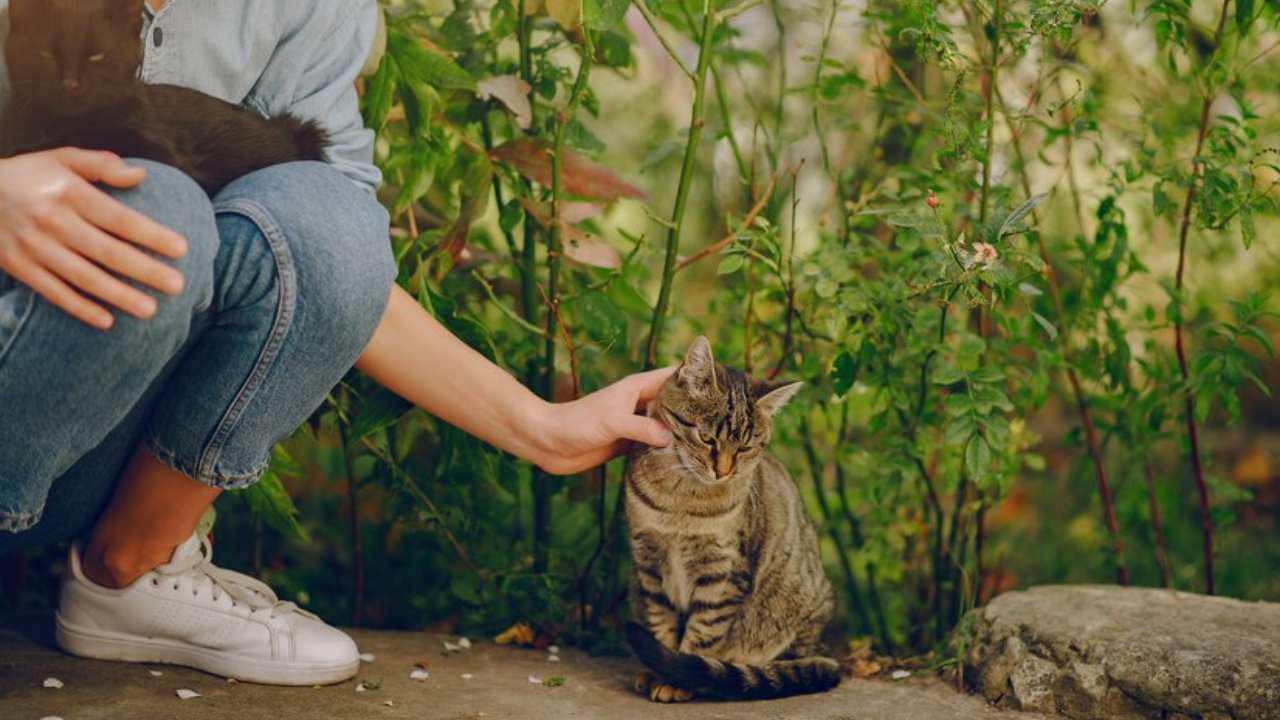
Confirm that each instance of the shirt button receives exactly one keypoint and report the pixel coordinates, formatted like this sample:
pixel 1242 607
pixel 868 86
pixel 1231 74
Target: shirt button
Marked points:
pixel 158 37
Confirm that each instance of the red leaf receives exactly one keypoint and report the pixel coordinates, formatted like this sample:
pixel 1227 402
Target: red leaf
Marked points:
pixel 581 177
pixel 579 246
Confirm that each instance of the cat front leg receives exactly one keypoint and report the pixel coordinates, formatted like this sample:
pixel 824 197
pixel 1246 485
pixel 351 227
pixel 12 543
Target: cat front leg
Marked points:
pixel 655 609
pixel 714 609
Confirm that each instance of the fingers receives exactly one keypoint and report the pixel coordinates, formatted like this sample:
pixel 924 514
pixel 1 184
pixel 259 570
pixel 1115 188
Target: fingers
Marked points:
pixel 647 384
pixel 641 429
pixel 115 254
pixel 60 295
pixel 86 277
pixel 104 167
pixel 114 217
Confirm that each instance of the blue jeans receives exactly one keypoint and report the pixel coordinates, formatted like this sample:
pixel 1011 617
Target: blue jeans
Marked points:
pixel 287 275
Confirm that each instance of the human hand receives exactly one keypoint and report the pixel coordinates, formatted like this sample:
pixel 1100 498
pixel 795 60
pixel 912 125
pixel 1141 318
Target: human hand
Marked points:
pixel 66 239
pixel 571 437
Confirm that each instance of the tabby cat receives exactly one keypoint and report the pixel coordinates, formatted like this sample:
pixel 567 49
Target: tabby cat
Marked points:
pixel 726 579
pixel 73 68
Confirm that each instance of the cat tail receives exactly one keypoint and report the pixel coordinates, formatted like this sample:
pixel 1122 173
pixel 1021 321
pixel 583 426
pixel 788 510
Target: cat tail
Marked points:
pixel 707 676
pixel 309 139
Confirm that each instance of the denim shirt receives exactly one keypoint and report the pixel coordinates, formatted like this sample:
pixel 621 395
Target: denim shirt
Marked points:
pixel 273 57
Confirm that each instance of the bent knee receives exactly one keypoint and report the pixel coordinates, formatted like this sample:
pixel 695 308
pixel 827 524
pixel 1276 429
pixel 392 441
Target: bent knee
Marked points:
pixel 169 197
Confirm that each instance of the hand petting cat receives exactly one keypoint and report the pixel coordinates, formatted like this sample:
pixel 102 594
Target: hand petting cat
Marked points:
pixel 63 237
pixel 593 429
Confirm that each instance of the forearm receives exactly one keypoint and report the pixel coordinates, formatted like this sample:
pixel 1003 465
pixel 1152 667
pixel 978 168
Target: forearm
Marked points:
pixel 415 357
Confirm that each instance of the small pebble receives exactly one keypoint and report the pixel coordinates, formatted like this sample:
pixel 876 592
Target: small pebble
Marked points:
pixel 900 674
pixel 155 673
pixel 553 658
pixel 51 717
pixel 553 649
pixel 52 682
pixel 232 681
pixel 535 679
pixel 185 694
pixel 464 643
pixel 367 657
pixel 388 703
pixel 419 674
pixel 360 687
pixel 467 676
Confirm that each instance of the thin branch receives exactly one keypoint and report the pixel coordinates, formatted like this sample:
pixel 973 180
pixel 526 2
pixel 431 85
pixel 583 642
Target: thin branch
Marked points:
pixel 666 45
pixel 1193 434
pixel 724 242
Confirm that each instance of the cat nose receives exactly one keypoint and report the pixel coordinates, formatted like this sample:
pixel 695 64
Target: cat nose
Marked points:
pixel 724 465
pixel 71 85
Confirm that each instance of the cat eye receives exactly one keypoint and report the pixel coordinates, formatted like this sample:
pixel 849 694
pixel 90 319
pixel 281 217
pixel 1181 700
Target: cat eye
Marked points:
pixel 99 57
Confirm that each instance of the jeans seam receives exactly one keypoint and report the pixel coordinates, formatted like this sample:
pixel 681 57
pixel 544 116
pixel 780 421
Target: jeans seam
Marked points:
pixel 223 481
pixel 21 324
pixel 285 305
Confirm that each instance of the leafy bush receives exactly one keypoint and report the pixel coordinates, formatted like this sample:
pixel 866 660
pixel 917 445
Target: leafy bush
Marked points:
pixel 1013 246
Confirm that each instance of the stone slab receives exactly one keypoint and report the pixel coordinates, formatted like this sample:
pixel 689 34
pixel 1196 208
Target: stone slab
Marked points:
pixel 499 688
pixel 1091 651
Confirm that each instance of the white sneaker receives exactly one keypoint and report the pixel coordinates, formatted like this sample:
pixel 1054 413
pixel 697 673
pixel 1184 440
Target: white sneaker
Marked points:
pixel 189 612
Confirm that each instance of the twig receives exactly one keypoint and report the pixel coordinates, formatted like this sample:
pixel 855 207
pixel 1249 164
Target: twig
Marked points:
pixel 511 314
pixel 724 242
pixel 666 45
pixel 1193 434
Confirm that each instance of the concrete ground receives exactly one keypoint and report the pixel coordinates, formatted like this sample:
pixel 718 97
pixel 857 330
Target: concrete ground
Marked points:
pixel 487 681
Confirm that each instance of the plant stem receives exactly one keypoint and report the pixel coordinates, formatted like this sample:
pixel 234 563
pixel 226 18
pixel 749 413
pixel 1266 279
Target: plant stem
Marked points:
pixel 357 537
pixel 555 250
pixel 1083 409
pixel 687 168
pixel 1157 525
pixel 1179 322
pixel 842 554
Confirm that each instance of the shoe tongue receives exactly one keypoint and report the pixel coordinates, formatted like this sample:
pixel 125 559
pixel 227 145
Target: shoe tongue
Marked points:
pixel 190 547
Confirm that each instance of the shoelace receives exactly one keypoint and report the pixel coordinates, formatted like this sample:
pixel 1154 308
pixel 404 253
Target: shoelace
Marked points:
pixel 239 587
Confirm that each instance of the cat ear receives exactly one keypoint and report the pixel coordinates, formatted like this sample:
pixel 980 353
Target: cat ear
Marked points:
pixel 699 368
pixel 770 398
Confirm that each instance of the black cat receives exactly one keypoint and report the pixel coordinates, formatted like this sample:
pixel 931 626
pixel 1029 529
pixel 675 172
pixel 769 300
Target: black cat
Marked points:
pixel 73 68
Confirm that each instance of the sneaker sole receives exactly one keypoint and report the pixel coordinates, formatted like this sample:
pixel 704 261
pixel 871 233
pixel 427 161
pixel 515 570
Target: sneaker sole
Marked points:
pixel 125 648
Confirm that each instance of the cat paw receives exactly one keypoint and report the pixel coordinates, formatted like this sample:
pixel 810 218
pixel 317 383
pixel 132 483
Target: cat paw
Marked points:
pixel 644 681
pixel 663 693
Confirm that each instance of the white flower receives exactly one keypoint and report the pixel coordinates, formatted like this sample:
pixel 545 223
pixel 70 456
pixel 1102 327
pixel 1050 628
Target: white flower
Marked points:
pixel 984 254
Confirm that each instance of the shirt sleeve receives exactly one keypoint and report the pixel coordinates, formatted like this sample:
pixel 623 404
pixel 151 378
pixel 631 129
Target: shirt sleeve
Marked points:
pixel 312 75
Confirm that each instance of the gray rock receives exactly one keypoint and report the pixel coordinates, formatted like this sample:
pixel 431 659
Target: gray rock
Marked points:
pixel 1098 651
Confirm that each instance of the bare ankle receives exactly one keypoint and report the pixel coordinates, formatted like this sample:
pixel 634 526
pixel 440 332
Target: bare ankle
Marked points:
pixel 117 566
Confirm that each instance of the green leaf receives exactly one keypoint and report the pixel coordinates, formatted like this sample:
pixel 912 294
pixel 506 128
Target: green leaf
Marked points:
pixel 1010 223
pixel 599 317
pixel 1244 15
pixel 268 499
pixel 556 681
pixel 419 62
pixel 844 371
pixel 604 14
pixel 628 299
pixel 977 458
pixel 947 375
pixel 380 94
pixel 1248 229
pixel 1044 323
pixel 422 173
pixel 379 409
pixel 731 264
